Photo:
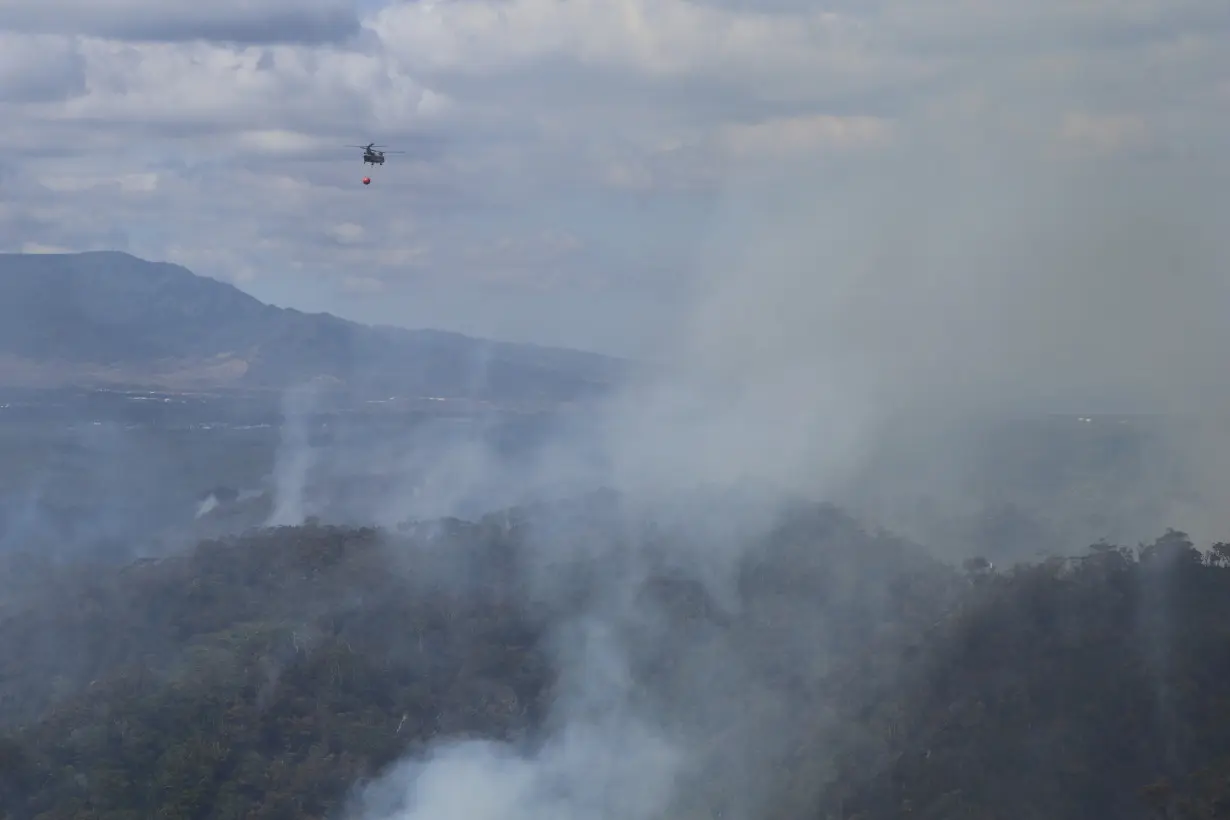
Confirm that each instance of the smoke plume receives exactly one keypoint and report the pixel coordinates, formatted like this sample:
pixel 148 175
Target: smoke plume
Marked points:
pixel 843 333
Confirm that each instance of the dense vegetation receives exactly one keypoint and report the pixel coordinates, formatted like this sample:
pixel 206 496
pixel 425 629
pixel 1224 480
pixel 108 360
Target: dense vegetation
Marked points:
pixel 268 676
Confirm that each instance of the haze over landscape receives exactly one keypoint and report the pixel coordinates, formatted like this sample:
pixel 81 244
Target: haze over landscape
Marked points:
pixel 719 410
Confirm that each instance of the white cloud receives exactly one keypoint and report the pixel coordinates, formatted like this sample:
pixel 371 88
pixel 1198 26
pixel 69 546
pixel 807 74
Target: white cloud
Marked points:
pixel 649 37
pixel 347 233
pixel 266 90
pixel 217 130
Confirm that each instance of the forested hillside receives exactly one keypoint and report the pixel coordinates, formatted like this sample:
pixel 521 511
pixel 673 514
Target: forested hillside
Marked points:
pixel 272 675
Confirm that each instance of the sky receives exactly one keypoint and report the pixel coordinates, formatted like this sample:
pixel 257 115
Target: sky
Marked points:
pixel 574 170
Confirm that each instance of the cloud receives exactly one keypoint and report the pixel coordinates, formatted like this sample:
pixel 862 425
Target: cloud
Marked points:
pixel 348 233
pixel 279 90
pixel 648 39
pixel 216 131
pixel 270 21
pixel 39 69
pixel 1104 134
pixel 363 286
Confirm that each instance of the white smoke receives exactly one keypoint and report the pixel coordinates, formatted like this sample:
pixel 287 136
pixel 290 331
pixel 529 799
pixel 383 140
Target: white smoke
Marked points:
pixel 923 288
pixel 825 326
pixel 603 763
pixel 295 458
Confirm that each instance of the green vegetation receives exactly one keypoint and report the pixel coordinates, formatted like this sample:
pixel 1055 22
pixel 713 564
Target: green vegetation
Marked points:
pixel 267 676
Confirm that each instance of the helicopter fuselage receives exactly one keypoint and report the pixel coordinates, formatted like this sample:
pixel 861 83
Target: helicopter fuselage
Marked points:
pixel 373 159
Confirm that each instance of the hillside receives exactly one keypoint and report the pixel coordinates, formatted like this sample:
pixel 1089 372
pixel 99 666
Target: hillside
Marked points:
pixel 108 317
pixel 840 675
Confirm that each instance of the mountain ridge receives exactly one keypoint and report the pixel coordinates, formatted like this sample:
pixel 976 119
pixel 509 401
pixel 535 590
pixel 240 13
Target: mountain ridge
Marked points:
pixel 108 318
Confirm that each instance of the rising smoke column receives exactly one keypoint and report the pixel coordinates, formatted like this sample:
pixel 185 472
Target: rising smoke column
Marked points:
pixel 295 457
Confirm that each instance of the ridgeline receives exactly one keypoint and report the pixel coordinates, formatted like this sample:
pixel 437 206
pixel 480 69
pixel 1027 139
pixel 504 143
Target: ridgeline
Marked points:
pixel 272 675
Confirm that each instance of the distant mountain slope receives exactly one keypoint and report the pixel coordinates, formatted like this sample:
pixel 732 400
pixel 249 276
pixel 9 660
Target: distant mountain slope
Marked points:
pixel 110 317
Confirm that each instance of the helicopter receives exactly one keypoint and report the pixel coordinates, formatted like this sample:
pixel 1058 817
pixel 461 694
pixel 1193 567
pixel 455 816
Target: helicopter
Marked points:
pixel 371 156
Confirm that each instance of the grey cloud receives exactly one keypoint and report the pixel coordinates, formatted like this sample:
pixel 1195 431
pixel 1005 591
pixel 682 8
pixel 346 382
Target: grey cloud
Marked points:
pixel 561 85
pixel 20 232
pixel 947 30
pixel 160 93
pixel 524 139
pixel 270 21
pixel 38 69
